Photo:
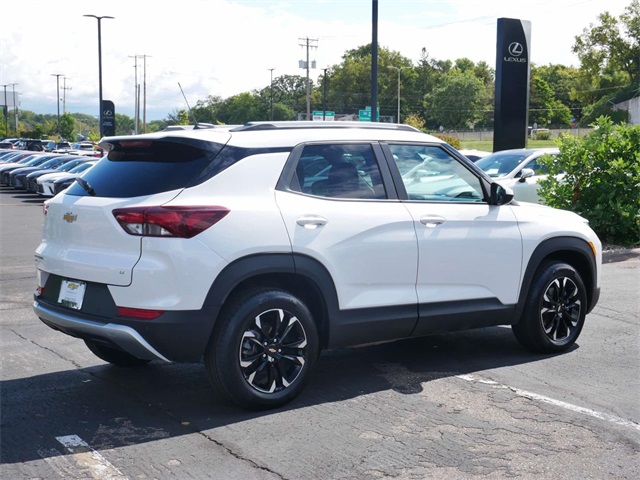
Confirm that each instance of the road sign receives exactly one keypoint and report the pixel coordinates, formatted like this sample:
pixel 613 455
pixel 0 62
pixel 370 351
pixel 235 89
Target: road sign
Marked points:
pixel 365 115
pixel 328 116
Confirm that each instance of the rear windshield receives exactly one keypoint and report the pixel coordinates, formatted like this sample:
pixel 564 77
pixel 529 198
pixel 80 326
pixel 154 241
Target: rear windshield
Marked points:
pixel 136 168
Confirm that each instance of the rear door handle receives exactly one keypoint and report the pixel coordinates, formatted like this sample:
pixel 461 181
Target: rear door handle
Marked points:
pixel 311 221
pixel 432 221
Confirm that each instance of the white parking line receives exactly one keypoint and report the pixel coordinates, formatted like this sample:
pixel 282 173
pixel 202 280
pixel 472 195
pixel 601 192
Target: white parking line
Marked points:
pixel 552 401
pixel 88 462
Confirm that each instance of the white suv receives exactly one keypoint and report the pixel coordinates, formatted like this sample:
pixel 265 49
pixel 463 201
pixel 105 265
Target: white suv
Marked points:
pixel 255 247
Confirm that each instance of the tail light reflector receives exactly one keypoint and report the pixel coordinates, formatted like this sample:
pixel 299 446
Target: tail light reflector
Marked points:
pixel 177 221
pixel 139 313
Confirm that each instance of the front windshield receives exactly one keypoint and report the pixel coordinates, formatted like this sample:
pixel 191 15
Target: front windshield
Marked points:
pixel 499 165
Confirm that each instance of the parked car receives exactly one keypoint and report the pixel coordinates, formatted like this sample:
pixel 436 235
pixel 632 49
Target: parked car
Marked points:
pixel 73 161
pixel 211 244
pixel 29 160
pixel 14 156
pixel 18 177
pixel 474 155
pixel 519 170
pixel 52 184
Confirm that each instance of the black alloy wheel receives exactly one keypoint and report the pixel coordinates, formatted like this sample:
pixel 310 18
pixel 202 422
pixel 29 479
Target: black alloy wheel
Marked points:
pixel 263 348
pixel 555 310
pixel 273 351
pixel 560 309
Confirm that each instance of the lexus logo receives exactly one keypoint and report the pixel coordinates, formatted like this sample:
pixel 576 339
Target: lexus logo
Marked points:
pixel 515 49
pixel 109 113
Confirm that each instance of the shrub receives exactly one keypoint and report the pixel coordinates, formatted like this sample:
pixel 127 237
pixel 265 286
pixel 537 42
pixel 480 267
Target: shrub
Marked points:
pixel 415 120
pixel 601 180
pixel 451 140
pixel 541 135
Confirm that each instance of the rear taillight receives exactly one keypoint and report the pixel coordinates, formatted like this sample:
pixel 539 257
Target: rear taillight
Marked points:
pixel 182 222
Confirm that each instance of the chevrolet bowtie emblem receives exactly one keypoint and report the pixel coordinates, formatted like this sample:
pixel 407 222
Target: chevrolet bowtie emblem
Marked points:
pixel 70 217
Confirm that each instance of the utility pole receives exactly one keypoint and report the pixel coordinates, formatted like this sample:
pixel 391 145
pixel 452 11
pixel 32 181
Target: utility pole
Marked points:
pixel 5 112
pixel 308 43
pixel 271 87
pixel 136 93
pixel 144 94
pixel 58 75
pixel 15 108
pixel 64 94
pixel 399 69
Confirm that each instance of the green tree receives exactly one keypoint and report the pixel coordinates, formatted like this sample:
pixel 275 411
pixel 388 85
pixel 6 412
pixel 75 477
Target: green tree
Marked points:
pixel 458 102
pixel 350 82
pixel 609 53
pixel 207 111
pixel 178 117
pixel 125 125
pixel 68 127
pixel 240 109
pixel 563 81
pixel 289 90
pixel 544 107
pixel 600 180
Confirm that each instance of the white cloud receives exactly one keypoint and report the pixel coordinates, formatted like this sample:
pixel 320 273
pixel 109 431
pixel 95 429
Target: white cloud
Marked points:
pixel 224 47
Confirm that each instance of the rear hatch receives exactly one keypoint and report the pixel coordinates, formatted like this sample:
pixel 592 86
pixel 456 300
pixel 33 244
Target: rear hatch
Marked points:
pixel 82 239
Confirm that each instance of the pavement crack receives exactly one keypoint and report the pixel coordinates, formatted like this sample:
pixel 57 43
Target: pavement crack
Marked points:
pixel 240 457
pixel 74 363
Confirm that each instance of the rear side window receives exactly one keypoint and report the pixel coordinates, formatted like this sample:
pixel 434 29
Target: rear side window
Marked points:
pixel 339 170
pixel 136 168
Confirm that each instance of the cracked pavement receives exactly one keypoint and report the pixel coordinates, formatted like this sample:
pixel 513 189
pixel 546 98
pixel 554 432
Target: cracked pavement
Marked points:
pixel 446 406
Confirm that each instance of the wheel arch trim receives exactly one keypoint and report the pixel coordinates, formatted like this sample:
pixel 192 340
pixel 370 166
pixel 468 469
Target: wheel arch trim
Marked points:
pixel 566 249
pixel 254 266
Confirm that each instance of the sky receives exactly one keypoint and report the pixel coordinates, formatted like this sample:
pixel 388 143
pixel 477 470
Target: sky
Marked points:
pixel 226 47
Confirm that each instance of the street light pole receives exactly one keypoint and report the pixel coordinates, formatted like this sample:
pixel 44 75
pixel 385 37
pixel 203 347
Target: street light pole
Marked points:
pixel 271 70
pixel 398 69
pixel 99 64
pixel 58 75
pixel 324 94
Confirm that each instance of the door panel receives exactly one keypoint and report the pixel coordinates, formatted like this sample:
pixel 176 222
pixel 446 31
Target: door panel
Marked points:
pixel 468 250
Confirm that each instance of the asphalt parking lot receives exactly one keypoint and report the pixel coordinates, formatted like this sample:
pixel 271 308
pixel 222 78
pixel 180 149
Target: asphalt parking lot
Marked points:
pixel 456 406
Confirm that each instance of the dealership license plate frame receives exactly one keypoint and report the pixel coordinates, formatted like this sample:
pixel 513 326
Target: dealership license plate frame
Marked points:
pixel 72 293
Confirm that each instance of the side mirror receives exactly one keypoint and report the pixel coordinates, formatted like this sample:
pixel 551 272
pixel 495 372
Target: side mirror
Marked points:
pixel 500 195
pixel 526 173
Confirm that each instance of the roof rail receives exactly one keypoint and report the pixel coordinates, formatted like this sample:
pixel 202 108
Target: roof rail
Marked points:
pixel 197 126
pixel 253 126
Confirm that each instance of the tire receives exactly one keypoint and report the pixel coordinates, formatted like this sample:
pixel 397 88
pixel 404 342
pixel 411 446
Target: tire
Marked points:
pixel 554 311
pixel 263 349
pixel 114 356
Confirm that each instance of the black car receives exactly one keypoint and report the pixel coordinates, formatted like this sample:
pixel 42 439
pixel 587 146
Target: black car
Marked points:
pixel 31 182
pixel 18 177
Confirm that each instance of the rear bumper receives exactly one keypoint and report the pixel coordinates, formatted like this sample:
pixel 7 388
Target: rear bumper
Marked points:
pixel 126 338
pixel 175 336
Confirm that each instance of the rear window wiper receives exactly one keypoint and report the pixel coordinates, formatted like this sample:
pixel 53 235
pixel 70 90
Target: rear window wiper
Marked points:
pixel 87 186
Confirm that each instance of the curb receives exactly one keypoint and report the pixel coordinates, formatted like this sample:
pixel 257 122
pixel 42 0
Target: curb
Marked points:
pixel 620 255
